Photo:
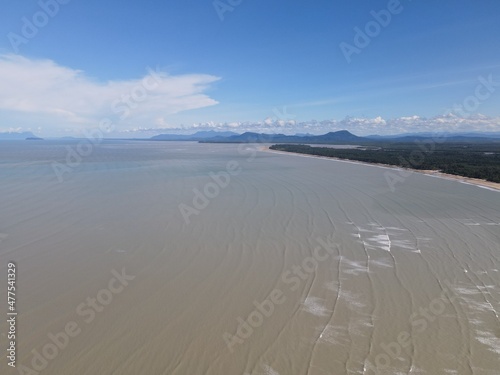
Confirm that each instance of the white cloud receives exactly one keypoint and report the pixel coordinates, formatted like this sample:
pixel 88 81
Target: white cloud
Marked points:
pixel 59 97
pixel 50 99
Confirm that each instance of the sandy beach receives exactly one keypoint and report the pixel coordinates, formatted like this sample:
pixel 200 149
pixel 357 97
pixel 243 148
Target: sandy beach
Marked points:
pixel 175 258
pixel 468 180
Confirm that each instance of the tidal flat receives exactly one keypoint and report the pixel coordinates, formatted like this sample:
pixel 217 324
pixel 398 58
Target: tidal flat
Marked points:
pixel 183 258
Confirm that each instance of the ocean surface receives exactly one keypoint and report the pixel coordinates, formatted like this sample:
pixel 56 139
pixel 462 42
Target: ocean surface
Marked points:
pixel 181 258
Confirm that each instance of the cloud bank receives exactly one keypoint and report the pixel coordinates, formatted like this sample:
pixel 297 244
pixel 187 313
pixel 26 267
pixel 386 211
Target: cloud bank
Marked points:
pixel 49 99
pixel 43 94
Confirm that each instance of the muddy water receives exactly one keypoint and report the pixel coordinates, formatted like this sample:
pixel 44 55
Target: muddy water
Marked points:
pixel 275 264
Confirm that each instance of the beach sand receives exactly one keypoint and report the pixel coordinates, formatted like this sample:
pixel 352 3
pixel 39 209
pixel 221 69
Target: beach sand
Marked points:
pixel 332 271
pixel 434 173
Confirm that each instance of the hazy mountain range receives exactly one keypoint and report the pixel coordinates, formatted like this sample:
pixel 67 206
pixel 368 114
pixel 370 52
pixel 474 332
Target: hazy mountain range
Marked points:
pixel 198 136
pixel 338 137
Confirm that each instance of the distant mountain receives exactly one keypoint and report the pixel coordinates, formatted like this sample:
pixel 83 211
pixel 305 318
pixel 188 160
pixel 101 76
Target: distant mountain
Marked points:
pixel 341 137
pixel 212 133
pixel 16 136
pixel 345 137
pixel 198 136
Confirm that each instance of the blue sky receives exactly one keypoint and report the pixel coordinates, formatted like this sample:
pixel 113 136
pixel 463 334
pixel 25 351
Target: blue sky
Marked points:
pixel 243 70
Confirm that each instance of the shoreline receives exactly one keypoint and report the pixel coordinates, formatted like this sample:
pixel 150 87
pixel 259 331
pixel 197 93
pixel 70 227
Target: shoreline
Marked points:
pixel 494 186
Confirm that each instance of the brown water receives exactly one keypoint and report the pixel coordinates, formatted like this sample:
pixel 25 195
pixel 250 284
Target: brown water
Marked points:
pixel 349 276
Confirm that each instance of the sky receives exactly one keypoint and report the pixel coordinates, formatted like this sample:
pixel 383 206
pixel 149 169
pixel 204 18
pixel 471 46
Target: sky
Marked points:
pixel 166 66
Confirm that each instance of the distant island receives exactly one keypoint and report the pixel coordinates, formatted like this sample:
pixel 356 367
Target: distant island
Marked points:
pixel 17 136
